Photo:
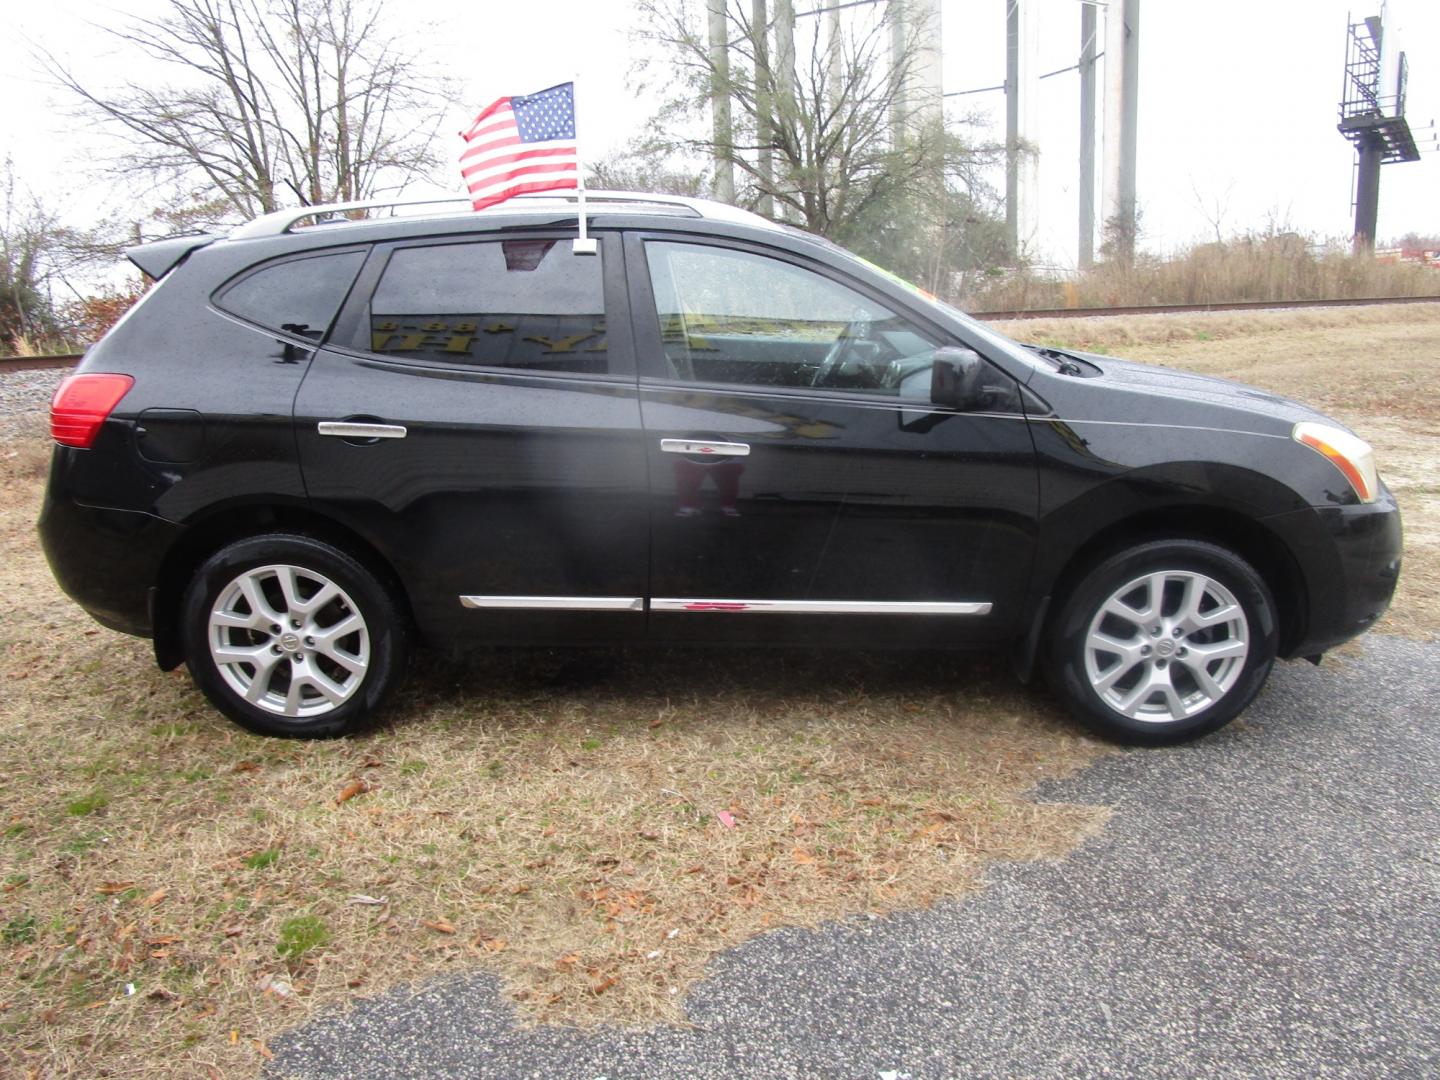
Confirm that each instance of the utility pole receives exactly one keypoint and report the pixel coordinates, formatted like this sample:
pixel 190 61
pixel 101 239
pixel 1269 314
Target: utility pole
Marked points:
pixel 833 51
pixel 1022 85
pixel 900 71
pixel 1087 135
pixel 720 103
pixel 785 77
pixel 764 104
pixel 1122 113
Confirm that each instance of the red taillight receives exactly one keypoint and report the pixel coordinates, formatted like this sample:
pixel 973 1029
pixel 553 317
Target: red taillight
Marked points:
pixel 81 405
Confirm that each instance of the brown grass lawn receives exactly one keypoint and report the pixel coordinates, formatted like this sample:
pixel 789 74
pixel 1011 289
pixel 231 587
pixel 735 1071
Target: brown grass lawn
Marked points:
pixel 176 891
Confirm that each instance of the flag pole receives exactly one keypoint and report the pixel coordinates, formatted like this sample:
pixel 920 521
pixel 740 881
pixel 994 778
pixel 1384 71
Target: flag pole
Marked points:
pixel 584 244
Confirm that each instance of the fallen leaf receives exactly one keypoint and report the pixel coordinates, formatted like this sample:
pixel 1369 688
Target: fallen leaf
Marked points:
pixel 800 855
pixel 550 830
pixel 155 897
pixel 600 987
pixel 440 926
pixel 246 766
pixel 567 961
pixel 350 790
pixel 110 888
pixel 496 944
pixel 264 1050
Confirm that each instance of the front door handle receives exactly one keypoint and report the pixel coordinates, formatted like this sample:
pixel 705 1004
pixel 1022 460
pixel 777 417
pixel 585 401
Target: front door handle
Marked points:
pixel 704 447
pixel 352 429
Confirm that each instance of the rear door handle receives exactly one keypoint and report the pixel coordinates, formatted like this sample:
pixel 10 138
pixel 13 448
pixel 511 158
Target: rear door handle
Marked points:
pixel 704 447
pixel 351 429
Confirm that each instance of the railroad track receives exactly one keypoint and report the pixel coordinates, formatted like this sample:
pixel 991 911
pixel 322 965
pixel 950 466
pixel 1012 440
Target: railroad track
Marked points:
pixel 1177 309
pixel 67 360
pixel 34 363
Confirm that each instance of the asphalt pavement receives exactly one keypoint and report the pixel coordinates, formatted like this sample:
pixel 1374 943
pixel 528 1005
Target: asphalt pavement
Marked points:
pixel 1263 903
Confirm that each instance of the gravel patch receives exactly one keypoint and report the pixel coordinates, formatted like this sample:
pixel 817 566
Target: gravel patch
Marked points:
pixel 25 400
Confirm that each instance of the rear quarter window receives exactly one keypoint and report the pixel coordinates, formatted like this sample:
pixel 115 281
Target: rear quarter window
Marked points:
pixel 298 296
pixel 522 303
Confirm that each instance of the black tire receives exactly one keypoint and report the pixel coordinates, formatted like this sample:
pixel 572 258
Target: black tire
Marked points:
pixel 1158 688
pixel 316 685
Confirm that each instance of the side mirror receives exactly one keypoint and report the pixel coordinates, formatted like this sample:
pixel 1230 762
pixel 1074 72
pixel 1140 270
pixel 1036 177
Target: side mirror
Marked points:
pixel 955 378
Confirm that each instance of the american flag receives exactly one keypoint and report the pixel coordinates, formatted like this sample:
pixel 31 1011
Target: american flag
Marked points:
pixel 521 144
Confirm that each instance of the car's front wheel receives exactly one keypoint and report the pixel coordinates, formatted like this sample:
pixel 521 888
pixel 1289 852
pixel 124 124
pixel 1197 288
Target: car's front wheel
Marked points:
pixel 1163 642
pixel 288 635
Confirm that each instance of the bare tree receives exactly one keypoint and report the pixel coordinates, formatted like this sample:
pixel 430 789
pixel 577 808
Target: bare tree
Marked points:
pixel 643 166
pixel 37 253
pixel 816 140
pixel 826 127
pixel 271 102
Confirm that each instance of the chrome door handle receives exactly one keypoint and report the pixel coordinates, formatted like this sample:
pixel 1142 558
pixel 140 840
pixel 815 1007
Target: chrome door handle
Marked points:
pixel 700 446
pixel 349 429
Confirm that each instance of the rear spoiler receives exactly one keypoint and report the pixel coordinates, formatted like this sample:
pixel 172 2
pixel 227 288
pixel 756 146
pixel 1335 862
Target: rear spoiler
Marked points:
pixel 159 257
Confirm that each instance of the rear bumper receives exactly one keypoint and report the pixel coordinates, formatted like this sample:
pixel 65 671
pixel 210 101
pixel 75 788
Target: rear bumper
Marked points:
pixel 106 560
pixel 1350 558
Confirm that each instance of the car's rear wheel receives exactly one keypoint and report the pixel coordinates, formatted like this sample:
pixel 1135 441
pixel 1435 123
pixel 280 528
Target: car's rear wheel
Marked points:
pixel 1163 642
pixel 289 635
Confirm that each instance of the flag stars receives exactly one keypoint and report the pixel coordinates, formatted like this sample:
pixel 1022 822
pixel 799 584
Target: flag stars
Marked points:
pixel 550 114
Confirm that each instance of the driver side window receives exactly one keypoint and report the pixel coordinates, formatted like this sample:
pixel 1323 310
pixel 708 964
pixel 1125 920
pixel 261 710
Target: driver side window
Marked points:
pixel 730 316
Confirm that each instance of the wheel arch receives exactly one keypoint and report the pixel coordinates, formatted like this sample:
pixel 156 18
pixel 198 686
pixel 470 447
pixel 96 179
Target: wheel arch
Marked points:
pixel 205 536
pixel 1228 528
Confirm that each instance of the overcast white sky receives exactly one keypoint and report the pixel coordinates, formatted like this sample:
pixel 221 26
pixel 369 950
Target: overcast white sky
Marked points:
pixel 1237 117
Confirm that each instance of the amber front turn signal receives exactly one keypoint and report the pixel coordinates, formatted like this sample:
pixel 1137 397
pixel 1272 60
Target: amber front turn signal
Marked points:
pixel 1352 455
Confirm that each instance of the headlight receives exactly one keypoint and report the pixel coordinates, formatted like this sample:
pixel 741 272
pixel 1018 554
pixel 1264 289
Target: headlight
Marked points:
pixel 1353 456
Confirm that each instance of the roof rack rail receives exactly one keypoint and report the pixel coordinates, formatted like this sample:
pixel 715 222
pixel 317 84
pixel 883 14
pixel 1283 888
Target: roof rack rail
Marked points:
pixel 703 208
pixel 279 222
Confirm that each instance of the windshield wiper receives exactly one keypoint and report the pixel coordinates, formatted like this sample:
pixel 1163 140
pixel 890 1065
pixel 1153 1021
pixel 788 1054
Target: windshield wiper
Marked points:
pixel 1062 360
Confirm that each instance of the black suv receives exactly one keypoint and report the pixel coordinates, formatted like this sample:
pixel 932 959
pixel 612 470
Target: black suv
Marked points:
pixel 311 446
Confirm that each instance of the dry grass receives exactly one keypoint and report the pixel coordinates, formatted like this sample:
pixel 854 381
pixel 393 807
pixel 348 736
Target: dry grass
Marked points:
pixel 1277 266
pixel 554 819
pixel 1375 368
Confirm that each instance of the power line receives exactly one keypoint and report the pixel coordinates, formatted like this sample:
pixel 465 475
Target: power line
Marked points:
pixel 1001 86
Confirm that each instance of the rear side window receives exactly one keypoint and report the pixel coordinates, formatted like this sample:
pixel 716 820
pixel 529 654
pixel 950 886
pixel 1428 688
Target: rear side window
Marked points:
pixel 297 296
pixel 522 303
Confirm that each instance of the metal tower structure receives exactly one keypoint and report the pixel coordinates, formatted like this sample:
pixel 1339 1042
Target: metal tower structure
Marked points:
pixel 1373 120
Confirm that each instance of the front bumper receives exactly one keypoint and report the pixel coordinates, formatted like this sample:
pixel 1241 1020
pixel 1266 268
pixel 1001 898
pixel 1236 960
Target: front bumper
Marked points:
pixel 1349 559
